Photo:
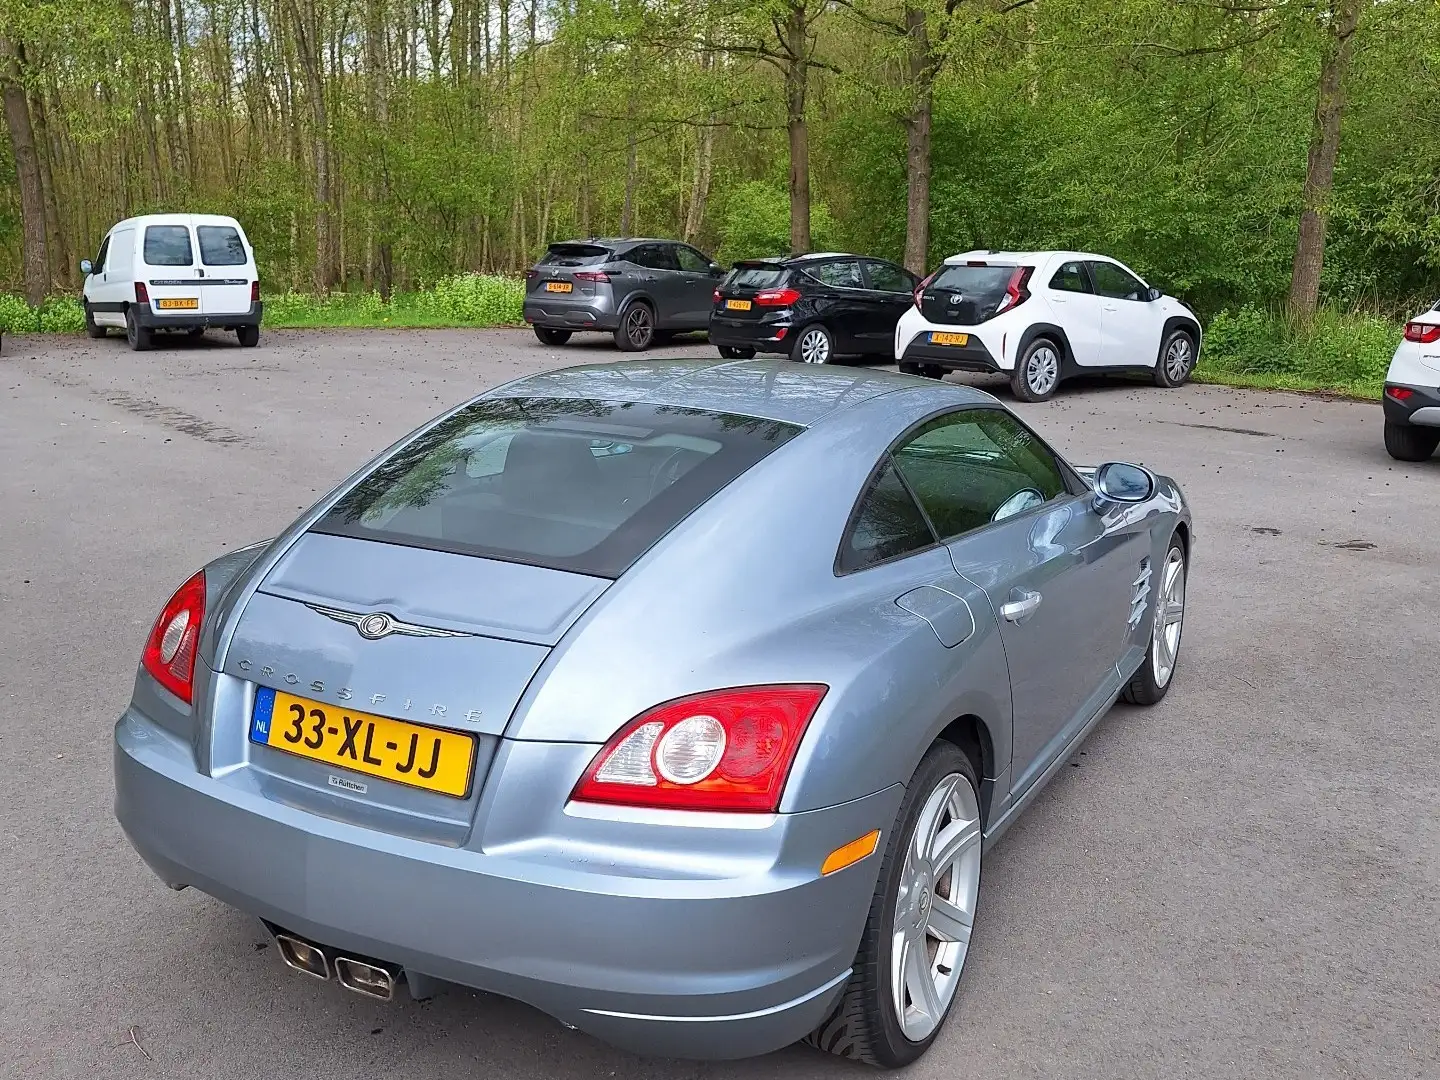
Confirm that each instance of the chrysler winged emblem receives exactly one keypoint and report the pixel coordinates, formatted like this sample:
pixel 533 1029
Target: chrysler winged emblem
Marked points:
pixel 378 624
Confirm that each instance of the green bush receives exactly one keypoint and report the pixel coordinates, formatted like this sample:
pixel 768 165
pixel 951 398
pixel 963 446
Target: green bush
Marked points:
pixel 474 300
pixel 1334 350
pixel 58 315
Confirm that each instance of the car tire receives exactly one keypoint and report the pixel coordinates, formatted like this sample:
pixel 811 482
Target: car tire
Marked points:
pixel 1037 371
pixel 548 335
pixel 1162 651
pixel 736 352
pixel 249 336
pixel 636 331
pixel 813 345
pixel 139 337
pixel 867 1022
pixel 195 333
pixel 92 328
pixel 1407 442
pixel 1176 360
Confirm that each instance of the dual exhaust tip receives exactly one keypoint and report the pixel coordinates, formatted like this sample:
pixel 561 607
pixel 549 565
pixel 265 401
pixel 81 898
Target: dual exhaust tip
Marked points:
pixel 362 976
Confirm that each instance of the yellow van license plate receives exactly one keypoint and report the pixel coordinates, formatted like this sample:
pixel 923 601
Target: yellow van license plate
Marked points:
pixel 188 303
pixel 738 305
pixel 558 286
pixel 423 757
pixel 949 339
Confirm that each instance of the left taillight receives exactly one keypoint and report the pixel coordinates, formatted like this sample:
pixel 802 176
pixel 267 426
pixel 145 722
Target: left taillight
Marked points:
pixel 1424 333
pixel 170 652
pixel 255 291
pixel 1016 292
pixel 728 750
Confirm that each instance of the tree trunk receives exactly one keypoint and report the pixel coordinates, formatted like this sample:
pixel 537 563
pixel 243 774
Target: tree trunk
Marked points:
pixel 59 256
pixel 627 210
pixel 917 138
pixel 797 73
pixel 307 34
pixel 27 169
pixel 700 192
pixel 376 61
pixel 1320 164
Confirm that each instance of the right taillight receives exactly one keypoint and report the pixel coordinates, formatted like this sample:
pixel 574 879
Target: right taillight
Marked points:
pixel 255 291
pixel 142 294
pixel 776 297
pixel 1424 333
pixel 715 296
pixel 724 750
pixel 170 651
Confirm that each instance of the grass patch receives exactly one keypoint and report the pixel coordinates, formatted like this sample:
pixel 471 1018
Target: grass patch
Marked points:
pixel 1334 353
pixel 467 300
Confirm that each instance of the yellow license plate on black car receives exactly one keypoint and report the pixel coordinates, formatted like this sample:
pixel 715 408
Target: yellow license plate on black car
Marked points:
pixel 738 305
pixel 558 286
pixel 937 338
pixel 395 750
pixel 187 303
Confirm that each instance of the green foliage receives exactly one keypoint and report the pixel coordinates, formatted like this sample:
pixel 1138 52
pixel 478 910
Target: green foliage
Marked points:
pixel 1335 351
pixel 58 315
pixel 756 223
pixel 476 300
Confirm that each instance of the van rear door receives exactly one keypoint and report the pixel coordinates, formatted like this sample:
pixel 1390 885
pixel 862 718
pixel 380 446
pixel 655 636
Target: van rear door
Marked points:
pixel 167 266
pixel 225 266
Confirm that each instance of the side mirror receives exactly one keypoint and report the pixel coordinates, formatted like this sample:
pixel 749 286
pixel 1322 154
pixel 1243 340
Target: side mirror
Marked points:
pixel 716 269
pixel 86 266
pixel 1153 294
pixel 1117 481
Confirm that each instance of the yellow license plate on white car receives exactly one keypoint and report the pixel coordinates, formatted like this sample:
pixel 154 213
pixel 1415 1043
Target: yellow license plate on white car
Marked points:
pixel 184 303
pixel 938 338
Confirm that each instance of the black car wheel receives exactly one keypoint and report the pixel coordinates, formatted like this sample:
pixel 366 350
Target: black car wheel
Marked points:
pixel 550 336
pixel 735 352
pixel 92 328
pixel 1408 442
pixel 813 345
pixel 138 336
pixel 636 331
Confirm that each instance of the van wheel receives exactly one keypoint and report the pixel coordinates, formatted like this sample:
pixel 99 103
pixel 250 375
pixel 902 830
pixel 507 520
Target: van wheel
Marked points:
pixel 139 337
pixel 548 335
pixel 92 328
pixel 195 333
pixel 249 336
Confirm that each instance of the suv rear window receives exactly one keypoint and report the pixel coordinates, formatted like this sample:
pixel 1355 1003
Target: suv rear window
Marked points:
pixel 574 254
pixel 220 245
pixel 586 486
pixel 756 277
pixel 168 245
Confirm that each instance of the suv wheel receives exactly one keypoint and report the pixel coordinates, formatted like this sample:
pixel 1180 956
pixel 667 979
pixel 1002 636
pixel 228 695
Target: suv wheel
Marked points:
pixel 138 336
pixel 92 328
pixel 1408 442
pixel 1037 372
pixel 1177 360
pixel 814 345
pixel 550 336
pixel 637 328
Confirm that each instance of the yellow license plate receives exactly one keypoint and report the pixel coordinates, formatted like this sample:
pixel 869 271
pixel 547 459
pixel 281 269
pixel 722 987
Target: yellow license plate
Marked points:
pixel 423 757
pixel 558 286
pixel 738 305
pixel 949 339
pixel 188 303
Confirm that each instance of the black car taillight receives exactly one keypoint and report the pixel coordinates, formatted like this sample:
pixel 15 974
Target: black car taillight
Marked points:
pixel 1016 292
pixel 776 297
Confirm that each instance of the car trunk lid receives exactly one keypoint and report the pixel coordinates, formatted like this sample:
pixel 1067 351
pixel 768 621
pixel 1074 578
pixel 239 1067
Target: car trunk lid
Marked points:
pixel 568 270
pixel 966 294
pixel 747 281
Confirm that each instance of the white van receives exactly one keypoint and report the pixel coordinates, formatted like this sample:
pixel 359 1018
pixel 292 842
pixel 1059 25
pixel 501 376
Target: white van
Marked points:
pixel 173 272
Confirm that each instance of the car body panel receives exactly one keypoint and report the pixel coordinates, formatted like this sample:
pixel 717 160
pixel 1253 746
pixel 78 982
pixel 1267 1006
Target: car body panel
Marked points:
pixel 1416 367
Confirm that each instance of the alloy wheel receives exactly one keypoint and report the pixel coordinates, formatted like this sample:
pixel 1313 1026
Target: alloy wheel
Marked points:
pixel 935 907
pixel 815 347
pixel 638 326
pixel 1169 618
pixel 1178 358
pixel 1042 370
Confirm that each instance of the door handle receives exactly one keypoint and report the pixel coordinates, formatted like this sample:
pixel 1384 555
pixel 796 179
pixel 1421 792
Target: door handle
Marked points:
pixel 1020 610
pixel 1111 307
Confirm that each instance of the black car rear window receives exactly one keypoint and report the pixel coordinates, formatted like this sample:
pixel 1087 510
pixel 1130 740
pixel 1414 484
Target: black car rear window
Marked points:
pixel 586 486
pixel 220 245
pixel 574 254
pixel 168 245
pixel 756 277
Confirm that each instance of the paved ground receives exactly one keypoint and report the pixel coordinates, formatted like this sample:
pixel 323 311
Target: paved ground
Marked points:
pixel 1242 882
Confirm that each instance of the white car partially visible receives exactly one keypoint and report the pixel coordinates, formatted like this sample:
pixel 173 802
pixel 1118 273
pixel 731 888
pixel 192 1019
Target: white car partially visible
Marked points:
pixel 1042 317
pixel 1412 390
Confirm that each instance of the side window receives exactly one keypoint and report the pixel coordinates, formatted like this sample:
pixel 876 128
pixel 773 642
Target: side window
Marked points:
pixel 887 277
pixel 691 261
pixel 887 525
pixel 168 245
pixel 220 245
pixel 844 274
pixel 973 467
pixel 1114 282
pixel 655 257
pixel 99 262
pixel 1071 277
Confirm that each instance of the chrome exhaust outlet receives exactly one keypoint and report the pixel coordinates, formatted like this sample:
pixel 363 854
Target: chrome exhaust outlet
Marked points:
pixel 368 979
pixel 303 957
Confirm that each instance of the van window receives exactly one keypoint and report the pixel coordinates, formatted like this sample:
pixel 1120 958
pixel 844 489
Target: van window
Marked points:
pixel 168 245
pixel 220 245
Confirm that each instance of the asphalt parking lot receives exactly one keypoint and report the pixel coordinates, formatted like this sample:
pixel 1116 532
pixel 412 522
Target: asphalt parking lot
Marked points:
pixel 1241 882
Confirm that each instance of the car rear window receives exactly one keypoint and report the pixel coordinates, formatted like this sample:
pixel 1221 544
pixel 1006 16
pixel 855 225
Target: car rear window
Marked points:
pixel 220 245
pixel 168 245
pixel 756 277
pixel 586 486
pixel 983 286
pixel 575 254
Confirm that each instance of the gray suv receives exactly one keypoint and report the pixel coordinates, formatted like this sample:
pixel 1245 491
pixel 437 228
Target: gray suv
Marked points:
pixel 643 291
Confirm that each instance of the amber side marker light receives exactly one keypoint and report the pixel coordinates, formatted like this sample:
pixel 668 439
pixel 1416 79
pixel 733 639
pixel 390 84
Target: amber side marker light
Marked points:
pixel 850 854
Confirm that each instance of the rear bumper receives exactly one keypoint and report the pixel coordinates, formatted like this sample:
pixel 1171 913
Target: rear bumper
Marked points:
pixel 972 356
pixel 697 967
pixel 758 334
pixel 1421 408
pixel 147 317
pixel 570 316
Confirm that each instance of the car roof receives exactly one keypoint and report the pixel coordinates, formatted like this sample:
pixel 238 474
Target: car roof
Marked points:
pixel 807 257
pixel 769 389
pixel 178 219
pixel 615 241
pixel 1006 258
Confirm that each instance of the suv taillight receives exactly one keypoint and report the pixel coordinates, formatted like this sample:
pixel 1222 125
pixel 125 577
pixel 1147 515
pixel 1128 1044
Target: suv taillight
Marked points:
pixel 591 275
pixel 142 294
pixel 1016 292
pixel 170 652
pixel 723 750
pixel 1424 333
pixel 776 297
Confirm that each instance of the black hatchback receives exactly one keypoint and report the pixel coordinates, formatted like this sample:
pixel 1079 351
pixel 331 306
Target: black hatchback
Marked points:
pixel 813 308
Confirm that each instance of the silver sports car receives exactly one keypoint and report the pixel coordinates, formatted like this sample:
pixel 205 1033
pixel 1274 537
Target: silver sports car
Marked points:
pixel 677 699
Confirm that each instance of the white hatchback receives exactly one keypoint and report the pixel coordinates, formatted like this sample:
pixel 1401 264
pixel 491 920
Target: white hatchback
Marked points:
pixel 173 272
pixel 1044 316
pixel 1412 390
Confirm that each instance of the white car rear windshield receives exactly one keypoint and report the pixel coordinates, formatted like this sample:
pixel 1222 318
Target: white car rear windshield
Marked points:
pixel 220 245
pixel 586 486
pixel 168 245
